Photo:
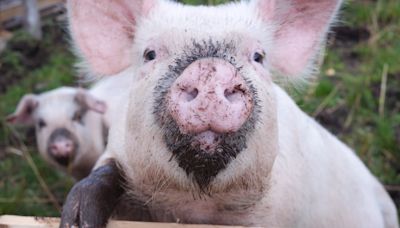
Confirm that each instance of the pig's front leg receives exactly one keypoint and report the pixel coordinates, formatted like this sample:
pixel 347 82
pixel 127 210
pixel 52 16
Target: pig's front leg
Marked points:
pixel 91 201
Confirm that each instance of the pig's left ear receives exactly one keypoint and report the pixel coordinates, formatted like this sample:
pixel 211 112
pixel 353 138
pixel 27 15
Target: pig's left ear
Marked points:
pixel 88 101
pixel 300 31
pixel 103 31
pixel 24 112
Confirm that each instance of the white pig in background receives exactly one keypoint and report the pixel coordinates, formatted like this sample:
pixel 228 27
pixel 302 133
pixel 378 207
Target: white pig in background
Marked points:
pixel 207 136
pixel 71 124
pixel 68 126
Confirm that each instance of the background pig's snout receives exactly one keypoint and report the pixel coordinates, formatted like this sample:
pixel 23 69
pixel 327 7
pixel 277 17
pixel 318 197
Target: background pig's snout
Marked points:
pixel 210 94
pixel 62 146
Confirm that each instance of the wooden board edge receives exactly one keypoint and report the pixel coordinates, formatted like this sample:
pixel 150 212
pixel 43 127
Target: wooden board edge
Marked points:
pixel 14 221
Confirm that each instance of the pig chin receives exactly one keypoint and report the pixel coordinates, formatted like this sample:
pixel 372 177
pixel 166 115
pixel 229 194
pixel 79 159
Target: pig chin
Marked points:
pixel 203 155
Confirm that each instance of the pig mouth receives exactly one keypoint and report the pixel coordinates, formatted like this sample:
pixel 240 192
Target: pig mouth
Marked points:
pixel 203 155
pixel 208 141
pixel 63 160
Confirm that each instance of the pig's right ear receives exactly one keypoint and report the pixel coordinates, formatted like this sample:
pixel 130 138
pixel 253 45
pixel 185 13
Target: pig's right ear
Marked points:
pixel 103 31
pixel 23 113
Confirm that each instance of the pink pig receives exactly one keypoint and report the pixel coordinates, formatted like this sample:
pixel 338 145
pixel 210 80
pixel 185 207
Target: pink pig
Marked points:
pixel 72 124
pixel 207 134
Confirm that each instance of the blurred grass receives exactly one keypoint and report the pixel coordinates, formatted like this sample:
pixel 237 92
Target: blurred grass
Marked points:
pixel 364 75
pixel 28 66
pixel 356 96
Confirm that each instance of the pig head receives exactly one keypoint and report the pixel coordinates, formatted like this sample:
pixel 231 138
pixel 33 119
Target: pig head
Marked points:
pixel 68 126
pixel 198 75
pixel 207 135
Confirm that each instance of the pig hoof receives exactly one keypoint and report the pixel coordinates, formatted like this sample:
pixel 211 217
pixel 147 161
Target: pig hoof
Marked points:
pixel 91 201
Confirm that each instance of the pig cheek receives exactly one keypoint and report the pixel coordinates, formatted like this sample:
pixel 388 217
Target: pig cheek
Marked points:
pixel 42 140
pixel 260 71
pixel 144 72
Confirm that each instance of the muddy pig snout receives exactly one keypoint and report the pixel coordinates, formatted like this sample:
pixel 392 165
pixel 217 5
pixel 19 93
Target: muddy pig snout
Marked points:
pixel 62 146
pixel 210 95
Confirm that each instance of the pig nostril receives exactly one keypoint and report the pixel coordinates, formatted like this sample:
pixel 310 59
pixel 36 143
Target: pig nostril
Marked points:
pixel 234 94
pixel 191 95
pixel 230 94
pixel 194 93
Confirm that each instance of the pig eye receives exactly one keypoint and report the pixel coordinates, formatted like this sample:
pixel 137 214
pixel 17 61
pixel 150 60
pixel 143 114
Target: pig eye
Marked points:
pixel 259 57
pixel 149 55
pixel 78 117
pixel 41 124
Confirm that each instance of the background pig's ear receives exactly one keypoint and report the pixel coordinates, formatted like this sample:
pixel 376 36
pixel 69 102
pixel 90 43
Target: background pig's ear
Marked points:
pixel 87 100
pixel 24 112
pixel 103 31
pixel 300 30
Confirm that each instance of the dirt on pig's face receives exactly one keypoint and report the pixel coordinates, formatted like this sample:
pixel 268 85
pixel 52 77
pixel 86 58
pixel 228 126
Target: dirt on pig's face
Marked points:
pixel 205 107
pixel 194 97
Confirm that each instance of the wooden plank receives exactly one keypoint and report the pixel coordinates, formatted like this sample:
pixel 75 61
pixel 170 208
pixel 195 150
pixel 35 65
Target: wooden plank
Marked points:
pixel 12 221
pixel 18 10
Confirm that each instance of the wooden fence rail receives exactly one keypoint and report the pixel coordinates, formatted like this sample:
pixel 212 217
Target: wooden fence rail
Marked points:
pixel 12 221
pixel 14 9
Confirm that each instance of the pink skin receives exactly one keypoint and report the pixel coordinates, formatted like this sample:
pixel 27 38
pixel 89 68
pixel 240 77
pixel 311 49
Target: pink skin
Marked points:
pixel 299 34
pixel 62 148
pixel 209 97
pixel 114 23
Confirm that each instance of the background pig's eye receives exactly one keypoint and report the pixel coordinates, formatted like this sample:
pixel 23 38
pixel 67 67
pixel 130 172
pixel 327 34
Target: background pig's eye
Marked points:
pixel 41 124
pixel 259 57
pixel 78 117
pixel 149 55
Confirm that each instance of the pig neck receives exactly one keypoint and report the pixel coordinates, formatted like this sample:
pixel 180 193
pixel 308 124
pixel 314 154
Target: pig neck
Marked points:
pixel 303 170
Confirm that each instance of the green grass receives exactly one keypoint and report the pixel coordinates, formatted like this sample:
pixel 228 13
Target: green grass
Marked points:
pixel 346 98
pixel 369 124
